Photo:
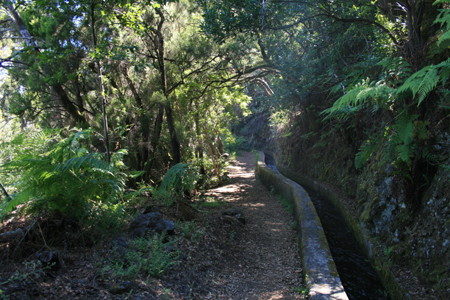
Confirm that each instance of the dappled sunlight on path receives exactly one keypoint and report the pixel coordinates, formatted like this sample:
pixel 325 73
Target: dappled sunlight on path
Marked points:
pixel 264 262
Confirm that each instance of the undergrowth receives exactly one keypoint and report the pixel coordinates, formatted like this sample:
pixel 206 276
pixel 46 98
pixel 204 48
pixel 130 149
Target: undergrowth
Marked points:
pixel 286 203
pixel 180 180
pixel 69 177
pixel 146 256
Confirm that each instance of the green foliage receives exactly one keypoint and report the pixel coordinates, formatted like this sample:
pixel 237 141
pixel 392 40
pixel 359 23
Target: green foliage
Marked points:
pixel 395 82
pixel 356 97
pixel 234 144
pixel 367 149
pixel 444 19
pixel 180 180
pixel 32 271
pixel 294 225
pixel 257 154
pixel 424 81
pixel 16 141
pixel 102 218
pixel 191 232
pixel 147 256
pixel 212 202
pixel 286 204
pixel 402 141
pixel 68 177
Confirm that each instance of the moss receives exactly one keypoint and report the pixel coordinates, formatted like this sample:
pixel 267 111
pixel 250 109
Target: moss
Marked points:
pixel 365 216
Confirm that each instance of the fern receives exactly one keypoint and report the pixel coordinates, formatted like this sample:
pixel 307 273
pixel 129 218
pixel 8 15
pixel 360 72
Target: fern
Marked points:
pixel 367 149
pixel 402 141
pixel 444 19
pixel 66 178
pixel 396 67
pixel 357 96
pixel 180 179
pixel 425 80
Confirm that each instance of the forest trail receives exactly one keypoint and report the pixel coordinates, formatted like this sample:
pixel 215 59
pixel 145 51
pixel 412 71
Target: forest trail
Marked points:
pixel 226 260
pixel 265 262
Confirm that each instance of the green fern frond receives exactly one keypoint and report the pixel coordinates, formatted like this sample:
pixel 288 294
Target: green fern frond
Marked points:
pixel 404 127
pixel 444 19
pixel 181 178
pixel 396 66
pixel 357 96
pixel 429 83
pixel 402 140
pixel 425 80
pixel 62 180
pixel 366 150
pixel 342 113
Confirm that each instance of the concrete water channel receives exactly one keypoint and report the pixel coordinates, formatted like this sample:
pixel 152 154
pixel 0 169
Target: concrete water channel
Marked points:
pixel 349 274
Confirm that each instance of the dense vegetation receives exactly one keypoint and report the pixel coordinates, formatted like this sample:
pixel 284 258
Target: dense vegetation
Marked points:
pixel 107 96
pixel 132 78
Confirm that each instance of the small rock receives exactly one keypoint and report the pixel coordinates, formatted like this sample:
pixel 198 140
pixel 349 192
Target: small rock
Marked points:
pixel 49 259
pixel 142 224
pixel 236 213
pixel 233 221
pixel 170 227
pixel 119 242
pixel 150 224
pixel 123 287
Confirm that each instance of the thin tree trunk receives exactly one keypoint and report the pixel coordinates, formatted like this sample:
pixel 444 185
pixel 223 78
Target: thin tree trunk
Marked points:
pixel 154 140
pixel 173 135
pixel 213 153
pixel 199 148
pixel 219 142
pixel 162 67
pixel 4 191
pixel 102 89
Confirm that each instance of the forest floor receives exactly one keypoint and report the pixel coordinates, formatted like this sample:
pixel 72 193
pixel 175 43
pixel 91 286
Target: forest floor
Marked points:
pixel 219 257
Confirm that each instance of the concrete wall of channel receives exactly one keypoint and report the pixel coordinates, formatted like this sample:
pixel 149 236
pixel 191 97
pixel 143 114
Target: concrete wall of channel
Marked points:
pixel 362 236
pixel 319 269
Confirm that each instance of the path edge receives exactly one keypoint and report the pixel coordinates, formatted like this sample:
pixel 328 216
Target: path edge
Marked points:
pixel 321 276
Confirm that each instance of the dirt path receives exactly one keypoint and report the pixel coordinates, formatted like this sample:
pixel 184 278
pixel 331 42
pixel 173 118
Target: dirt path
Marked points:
pixel 219 259
pixel 265 261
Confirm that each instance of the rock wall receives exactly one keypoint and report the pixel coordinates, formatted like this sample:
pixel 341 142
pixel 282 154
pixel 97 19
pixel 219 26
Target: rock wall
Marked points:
pixel 413 239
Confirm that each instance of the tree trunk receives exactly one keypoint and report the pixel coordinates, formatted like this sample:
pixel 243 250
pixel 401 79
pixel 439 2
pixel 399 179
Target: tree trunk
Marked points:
pixel 199 147
pixel 162 67
pixel 213 152
pixel 102 89
pixel 176 151
pixel 219 142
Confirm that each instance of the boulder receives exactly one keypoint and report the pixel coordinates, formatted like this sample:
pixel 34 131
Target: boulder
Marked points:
pixel 150 224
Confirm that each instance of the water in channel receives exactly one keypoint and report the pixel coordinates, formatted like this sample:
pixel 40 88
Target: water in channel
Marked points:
pixel 357 275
